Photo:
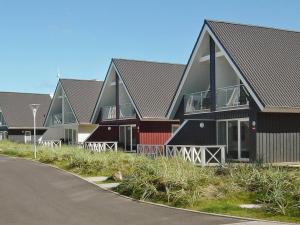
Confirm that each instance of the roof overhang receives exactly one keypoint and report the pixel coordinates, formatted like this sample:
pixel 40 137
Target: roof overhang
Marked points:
pixel 19 128
pixel 287 109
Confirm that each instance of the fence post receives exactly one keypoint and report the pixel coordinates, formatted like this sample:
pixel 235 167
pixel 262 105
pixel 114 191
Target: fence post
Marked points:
pixel 193 154
pixel 116 146
pixel 222 155
pixel 202 150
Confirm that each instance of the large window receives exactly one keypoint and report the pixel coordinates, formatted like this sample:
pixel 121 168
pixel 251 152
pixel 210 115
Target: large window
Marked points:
pixel 70 136
pixel 235 134
pixel 2 121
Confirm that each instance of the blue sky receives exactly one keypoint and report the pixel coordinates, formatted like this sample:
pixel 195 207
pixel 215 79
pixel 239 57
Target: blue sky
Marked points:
pixel 80 37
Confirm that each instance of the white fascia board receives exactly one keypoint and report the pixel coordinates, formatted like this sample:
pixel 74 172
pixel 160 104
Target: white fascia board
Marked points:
pixel 178 129
pixel 132 102
pixel 187 70
pixel 236 70
pixel 94 117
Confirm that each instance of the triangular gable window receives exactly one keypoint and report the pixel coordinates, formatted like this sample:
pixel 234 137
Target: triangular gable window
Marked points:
pixel 60 111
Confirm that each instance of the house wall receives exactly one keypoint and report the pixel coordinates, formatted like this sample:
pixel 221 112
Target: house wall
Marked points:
pixel 193 134
pixel 84 131
pixel 102 134
pixel 54 133
pixel 18 135
pixel 278 137
pixel 154 132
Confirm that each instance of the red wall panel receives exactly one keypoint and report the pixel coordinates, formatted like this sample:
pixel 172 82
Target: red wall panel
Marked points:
pixel 154 132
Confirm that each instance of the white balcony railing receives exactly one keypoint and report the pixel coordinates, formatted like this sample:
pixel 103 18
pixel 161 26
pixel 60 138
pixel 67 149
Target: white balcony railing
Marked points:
pixel 151 151
pixel 109 113
pixel 196 102
pixel 126 112
pixel 101 146
pixel 57 118
pixel 198 155
pixel 232 96
pixel 50 143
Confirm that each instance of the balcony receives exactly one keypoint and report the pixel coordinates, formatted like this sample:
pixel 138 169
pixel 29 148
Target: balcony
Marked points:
pixel 231 97
pixel 57 119
pixel 126 112
pixel 197 102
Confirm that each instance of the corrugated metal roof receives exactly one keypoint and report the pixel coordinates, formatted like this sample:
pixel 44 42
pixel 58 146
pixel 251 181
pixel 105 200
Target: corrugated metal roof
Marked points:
pixel 268 58
pixel 82 95
pixel 151 85
pixel 16 110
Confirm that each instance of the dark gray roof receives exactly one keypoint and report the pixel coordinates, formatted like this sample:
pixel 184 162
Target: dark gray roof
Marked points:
pixel 151 85
pixel 268 58
pixel 16 110
pixel 82 95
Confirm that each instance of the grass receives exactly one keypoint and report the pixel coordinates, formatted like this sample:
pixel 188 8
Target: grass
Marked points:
pixel 177 183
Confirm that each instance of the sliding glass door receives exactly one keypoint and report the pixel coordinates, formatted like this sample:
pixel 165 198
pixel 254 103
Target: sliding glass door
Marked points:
pixel 235 135
pixel 127 137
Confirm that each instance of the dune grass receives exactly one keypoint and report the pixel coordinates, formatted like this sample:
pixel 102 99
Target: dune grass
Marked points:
pixel 178 183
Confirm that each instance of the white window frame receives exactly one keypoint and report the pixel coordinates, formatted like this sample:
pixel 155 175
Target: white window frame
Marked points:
pixel 131 128
pixel 239 120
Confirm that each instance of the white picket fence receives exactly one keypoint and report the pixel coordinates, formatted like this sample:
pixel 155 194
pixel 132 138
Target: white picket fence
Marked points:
pixel 101 146
pixel 151 151
pixel 198 155
pixel 50 143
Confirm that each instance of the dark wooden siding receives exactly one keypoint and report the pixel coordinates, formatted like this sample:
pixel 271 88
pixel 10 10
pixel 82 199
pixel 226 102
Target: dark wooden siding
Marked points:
pixel 192 134
pixel 154 132
pixel 102 133
pixel 22 131
pixel 278 137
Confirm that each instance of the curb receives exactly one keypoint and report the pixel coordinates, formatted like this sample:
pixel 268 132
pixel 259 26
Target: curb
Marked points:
pixel 148 202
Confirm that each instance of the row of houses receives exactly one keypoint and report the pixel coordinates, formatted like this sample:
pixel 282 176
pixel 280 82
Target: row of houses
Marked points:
pixel 240 89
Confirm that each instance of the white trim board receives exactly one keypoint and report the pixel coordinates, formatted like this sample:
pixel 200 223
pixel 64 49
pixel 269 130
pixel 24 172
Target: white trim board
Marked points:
pixel 176 132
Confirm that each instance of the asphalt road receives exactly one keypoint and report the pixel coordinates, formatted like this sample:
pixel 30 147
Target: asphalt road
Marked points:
pixel 36 194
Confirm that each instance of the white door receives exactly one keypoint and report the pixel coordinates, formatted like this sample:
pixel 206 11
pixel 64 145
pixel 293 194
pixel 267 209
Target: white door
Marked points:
pixel 27 137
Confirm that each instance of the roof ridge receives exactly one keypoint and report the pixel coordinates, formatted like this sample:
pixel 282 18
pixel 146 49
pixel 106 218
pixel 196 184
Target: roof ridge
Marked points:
pixel 74 79
pixel 149 61
pixel 27 93
pixel 251 25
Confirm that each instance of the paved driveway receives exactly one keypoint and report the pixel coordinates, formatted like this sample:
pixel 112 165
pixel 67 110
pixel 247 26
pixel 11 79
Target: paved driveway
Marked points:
pixel 36 194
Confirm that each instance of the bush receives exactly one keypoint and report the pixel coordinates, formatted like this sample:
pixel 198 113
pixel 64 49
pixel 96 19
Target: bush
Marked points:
pixel 275 187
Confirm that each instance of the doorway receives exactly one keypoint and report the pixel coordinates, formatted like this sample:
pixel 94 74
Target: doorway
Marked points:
pixel 127 137
pixel 235 134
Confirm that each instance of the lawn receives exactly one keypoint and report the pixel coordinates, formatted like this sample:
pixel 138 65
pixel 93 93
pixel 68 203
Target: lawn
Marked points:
pixel 178 183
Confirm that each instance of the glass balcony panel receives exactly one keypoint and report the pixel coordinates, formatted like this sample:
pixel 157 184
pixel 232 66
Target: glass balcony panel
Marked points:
pixel 108 112
pixel 233 96
pixel 127 111
pixel 195 102
pixel 57 119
